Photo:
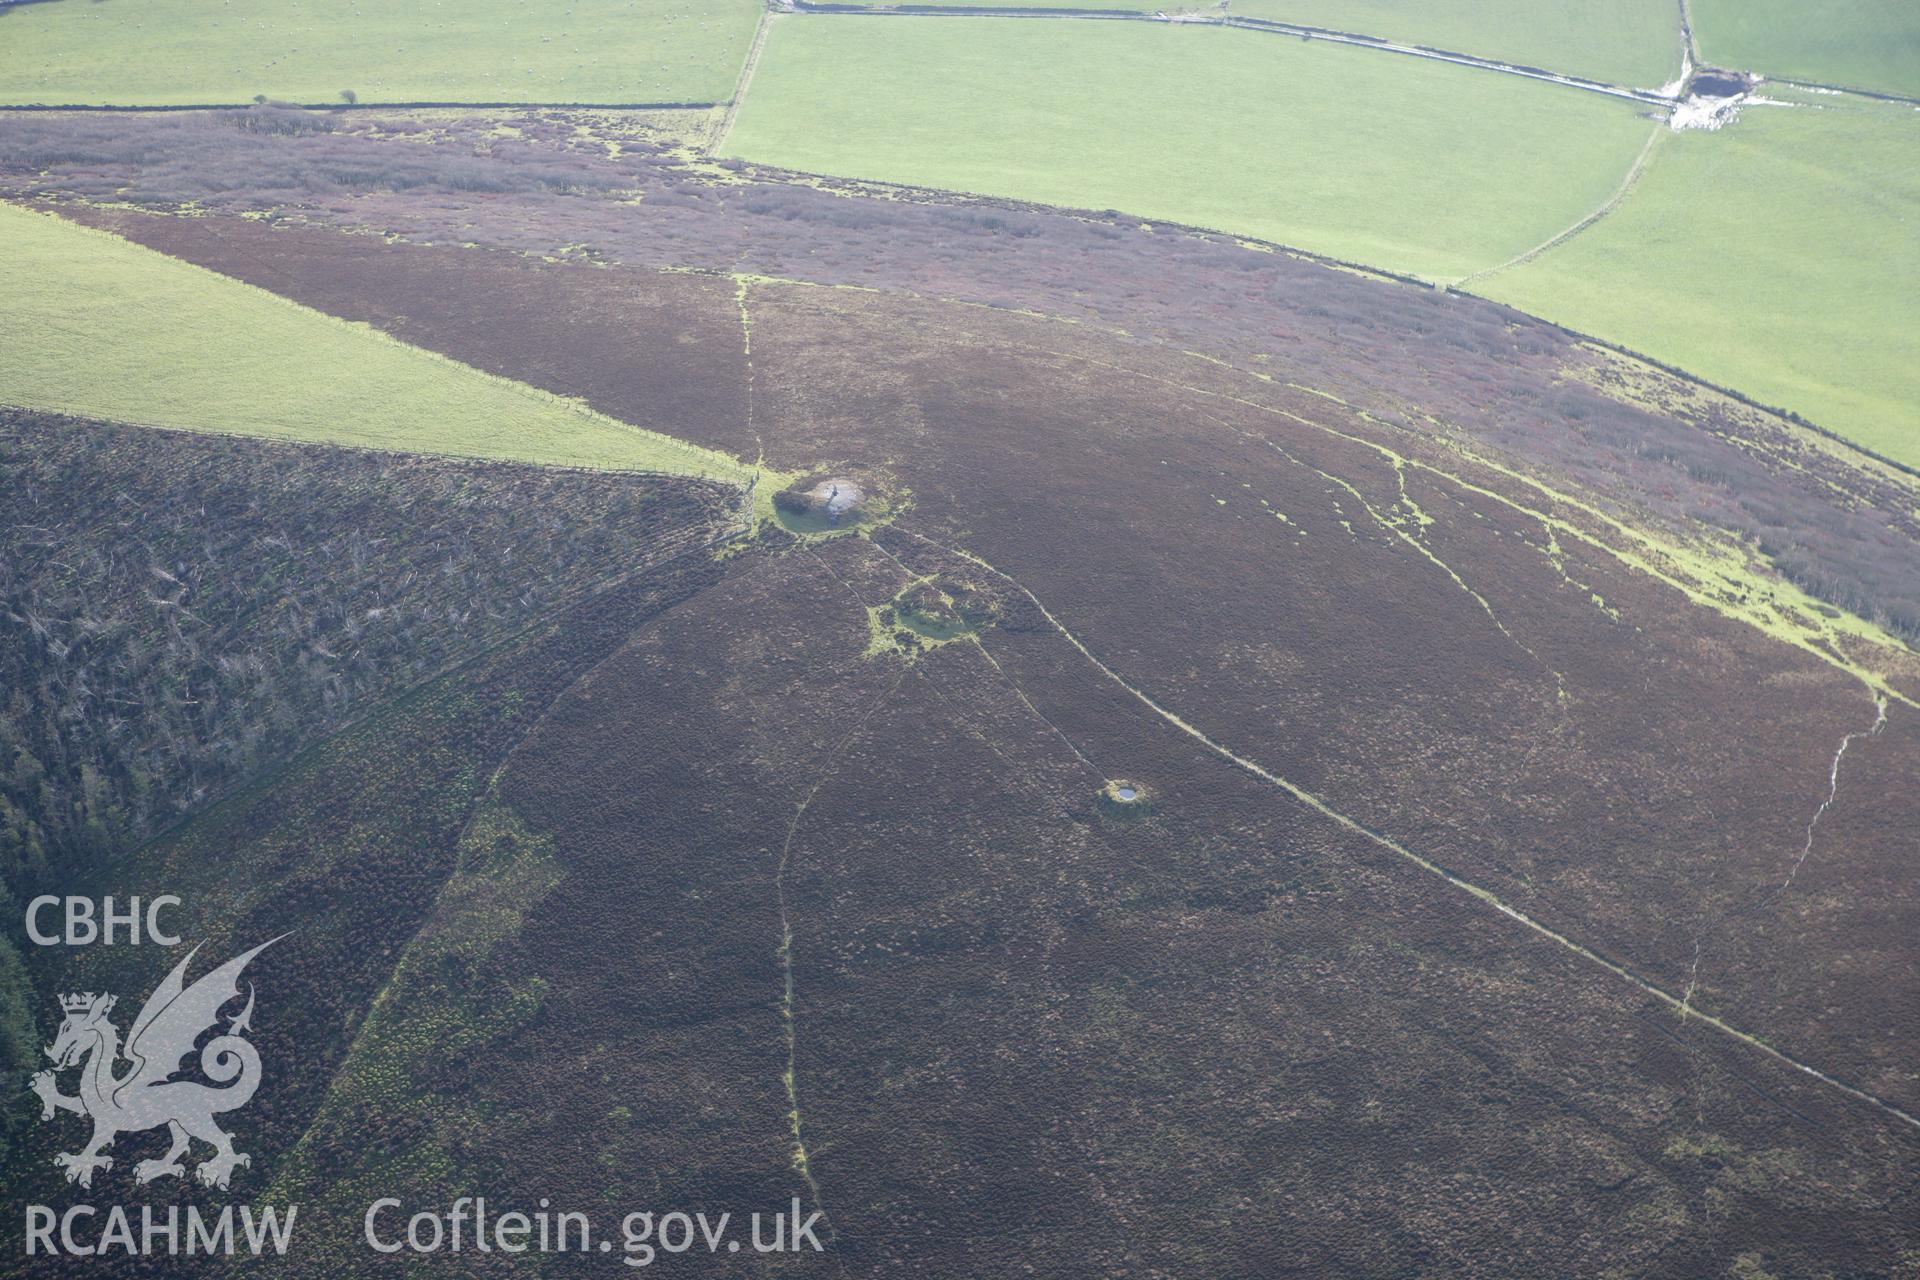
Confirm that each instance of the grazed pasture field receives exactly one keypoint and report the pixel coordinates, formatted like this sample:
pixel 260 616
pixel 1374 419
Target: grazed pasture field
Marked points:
pixel 1777 255
pixel 1403 163
pixel 1638 44
pixel 170 52
pixel 96 326
pixel 1859 44
pixel 1772 256
pixel 583 350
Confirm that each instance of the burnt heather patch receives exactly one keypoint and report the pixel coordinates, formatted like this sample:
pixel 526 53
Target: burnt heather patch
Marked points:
pixel 180 614
pixel 231 598
pixel 350 844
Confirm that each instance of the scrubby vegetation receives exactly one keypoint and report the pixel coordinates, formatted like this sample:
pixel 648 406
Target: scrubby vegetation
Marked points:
pixel 239 158
pixel 1721 255
pixel 179 613
pixel 350 844
pixel 1509 382
pixel 1473 723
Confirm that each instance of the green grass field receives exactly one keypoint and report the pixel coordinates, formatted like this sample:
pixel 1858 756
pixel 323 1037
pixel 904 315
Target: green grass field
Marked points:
pixel 1779 256
pixel 171 52
pixel 1638 43
pixel 98 326
pixel 1859 44
pixel 1417 166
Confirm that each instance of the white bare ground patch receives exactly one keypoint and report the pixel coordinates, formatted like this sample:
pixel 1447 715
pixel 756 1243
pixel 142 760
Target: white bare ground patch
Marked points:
pixel 1717 99
pixel 1833 787
pixel 1711 114
pixel 1675 87
pixel 1693 978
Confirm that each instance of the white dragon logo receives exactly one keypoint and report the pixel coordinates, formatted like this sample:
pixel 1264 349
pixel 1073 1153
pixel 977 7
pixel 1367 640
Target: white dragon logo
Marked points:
pixel 146 1097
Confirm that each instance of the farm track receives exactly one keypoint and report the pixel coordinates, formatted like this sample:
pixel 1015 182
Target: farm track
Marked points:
pixel 1266 25
pixel 785 950
pixel 1688 60
pixel 1627 184
pixel 747 69
pixel 1714 926
pixel 1679 1004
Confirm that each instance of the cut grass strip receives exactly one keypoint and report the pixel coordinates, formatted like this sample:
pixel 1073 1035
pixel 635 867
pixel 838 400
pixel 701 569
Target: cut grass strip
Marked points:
pixel 96 326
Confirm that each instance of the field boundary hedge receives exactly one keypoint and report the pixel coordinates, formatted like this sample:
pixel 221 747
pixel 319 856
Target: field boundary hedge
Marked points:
pixel 1268 26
